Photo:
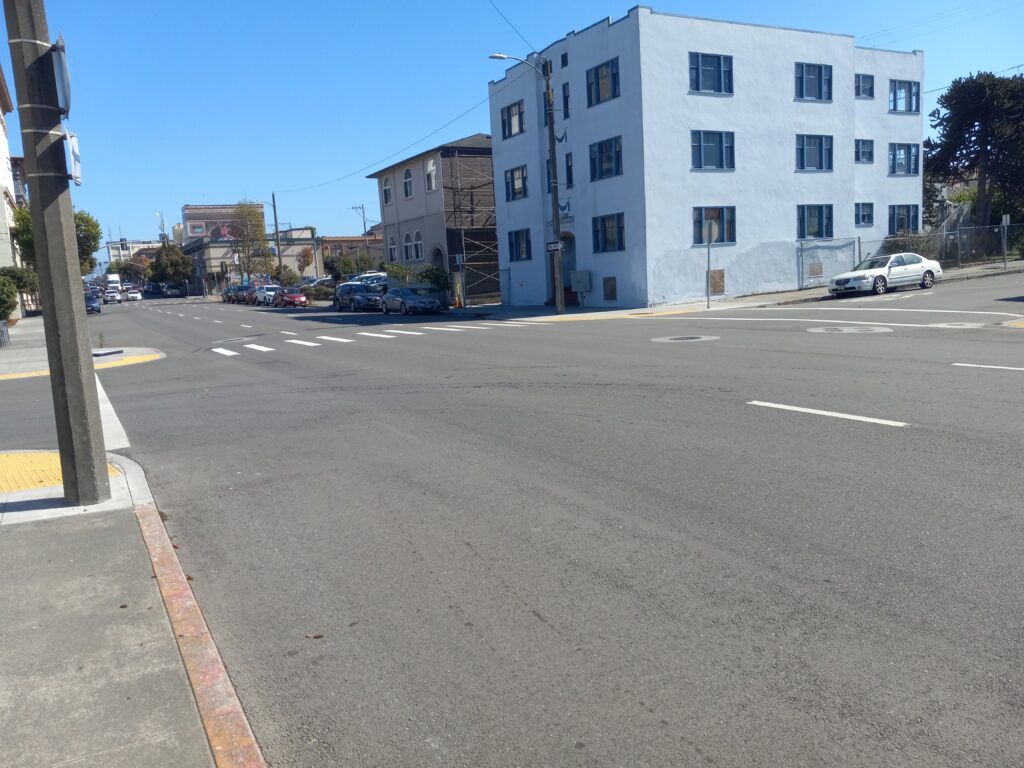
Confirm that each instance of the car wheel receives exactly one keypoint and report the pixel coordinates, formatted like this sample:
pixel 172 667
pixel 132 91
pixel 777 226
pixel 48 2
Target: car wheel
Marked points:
pixel 879 286
pixel 928 279
pixel 384 308
pixel 403 309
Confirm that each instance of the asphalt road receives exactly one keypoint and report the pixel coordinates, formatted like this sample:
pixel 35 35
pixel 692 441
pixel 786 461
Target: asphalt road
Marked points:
pixel 570 544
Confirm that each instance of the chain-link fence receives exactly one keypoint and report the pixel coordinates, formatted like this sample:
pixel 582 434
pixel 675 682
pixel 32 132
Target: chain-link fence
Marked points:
pixel 819 260
pixel 956 247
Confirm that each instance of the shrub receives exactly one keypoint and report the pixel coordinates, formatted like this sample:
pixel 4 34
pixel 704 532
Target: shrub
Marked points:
pixel 8 298
pixel 26 280
pixel 318 293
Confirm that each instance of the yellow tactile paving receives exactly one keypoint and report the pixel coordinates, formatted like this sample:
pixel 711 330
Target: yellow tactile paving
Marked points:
pixel 34 469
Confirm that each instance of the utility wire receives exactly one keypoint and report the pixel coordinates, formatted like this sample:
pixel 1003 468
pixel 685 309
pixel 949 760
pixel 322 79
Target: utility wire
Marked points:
pixel 404 149
pixel 925 20
pixel 1019 66
pixel 521 36
pixel 925 33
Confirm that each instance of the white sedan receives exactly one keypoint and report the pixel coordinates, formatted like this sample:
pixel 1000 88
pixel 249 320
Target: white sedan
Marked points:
pixel 265 294
pixel 132 295
pixel 882 273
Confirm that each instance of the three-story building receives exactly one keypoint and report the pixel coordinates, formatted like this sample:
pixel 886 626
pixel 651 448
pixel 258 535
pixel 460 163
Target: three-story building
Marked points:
pixel 795 144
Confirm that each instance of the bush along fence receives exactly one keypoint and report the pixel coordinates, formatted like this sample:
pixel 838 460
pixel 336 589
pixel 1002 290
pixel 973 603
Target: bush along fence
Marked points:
pixel 957 247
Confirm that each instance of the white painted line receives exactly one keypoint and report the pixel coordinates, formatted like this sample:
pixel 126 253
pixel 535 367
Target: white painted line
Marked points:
pixel 258 348
pixel 218 321
pixel 239 310
pixel 833 414
pixel 405 333
pixel 301 342
pixel 438 328
pixel 376 335
pixel 993 367
pixel 335 338
pixel 508 325
pixel 246 326
pixel 114 436
pixel 195 318
pixel 476 327
pixel 290 333
pixel 225 352
pixel 875 309
pixel 180 315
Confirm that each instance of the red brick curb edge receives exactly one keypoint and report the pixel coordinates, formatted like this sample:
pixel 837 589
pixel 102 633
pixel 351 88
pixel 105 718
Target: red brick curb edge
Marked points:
pixel 227 729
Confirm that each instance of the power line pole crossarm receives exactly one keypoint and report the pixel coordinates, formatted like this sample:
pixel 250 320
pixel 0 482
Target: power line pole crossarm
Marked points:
pixel 72 379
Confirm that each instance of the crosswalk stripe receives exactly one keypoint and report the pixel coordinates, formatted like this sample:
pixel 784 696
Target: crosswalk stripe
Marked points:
pixel 375 335
pixel 259 348
pixel 439 328
pixel 303 343
pixel 225 352
pixel 335 338
pixel 219 321
pixel 509 324
pixel 405 333
pixel 246 326
pixel 290 333
pixel 476 327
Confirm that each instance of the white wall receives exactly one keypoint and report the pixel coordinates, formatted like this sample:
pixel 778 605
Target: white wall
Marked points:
pixel 658 189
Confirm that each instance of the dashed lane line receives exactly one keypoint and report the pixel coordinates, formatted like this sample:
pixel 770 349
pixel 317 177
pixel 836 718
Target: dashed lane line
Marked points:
pixel 405 333
pixel 301 342
pixel 376 335
pixel 290 333
pixel 438 328
pixel 225 352
pixel 833 414
pixel 246 326
pixel 476 327
pixel 336 338
pixel 258 347
pixel 991 367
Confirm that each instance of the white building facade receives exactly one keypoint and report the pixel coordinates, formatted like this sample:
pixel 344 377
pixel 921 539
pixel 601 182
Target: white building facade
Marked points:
pixel 798 145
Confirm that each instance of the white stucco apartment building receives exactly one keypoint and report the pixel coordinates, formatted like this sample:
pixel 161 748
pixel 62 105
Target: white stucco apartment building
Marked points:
pixel 797 143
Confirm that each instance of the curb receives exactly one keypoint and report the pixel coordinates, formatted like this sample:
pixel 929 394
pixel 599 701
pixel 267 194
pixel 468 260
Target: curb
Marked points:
pixel 228 733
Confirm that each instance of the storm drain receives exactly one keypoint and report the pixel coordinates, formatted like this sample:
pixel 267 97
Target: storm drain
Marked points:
pixel 686 338
pixel 850 329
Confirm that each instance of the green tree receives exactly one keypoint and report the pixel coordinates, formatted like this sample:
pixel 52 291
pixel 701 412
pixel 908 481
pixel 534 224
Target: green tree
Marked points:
pixel 436 276
pixel 113 268
pixel 335 266
pixel 290 276
pixel 303 260
pixel 26 280
pixel 87 237
pixel 250 234
pixel 8 298
pixel 399 273
pixel 980 124
pixel 170 265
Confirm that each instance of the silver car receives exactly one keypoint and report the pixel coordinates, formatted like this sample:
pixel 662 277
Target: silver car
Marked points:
pixel 407 300
pixel 879 274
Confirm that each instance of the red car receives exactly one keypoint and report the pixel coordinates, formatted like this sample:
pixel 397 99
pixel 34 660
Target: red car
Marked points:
pixel 290 297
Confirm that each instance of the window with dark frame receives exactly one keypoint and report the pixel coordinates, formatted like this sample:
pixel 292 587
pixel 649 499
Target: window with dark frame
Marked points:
pixel 565 101
pixel 519 248
pixel 904 96
pixel 813 153
pixel 609 233
pixel 813 221
pixel 710 73
pixel 864 214
pixel 864 151
pixel 603 82
pixel 512 121
pixel 904 159
pixel 515 183
pixel 726 218
pixel 713 150
pixel 903 218
pixel 813 81
pixel 864 86
pixel 606 158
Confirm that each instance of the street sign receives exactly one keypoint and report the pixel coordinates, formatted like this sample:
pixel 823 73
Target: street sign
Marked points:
pixel 710 231
pixel 555 247
pixel 71 139
pixel 62 76
pixel 460 259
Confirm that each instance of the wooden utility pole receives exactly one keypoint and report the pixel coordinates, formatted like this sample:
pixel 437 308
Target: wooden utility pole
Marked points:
pixel 72 380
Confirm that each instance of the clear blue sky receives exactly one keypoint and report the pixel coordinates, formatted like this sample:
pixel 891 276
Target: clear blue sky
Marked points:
pixel 215 101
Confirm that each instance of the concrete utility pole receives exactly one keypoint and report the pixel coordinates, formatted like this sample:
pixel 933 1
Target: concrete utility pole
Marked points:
pixel 76 407
pixel 277 241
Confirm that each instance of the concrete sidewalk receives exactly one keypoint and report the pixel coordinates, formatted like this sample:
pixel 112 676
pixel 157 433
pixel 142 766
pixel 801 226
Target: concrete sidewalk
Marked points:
pixel 106 660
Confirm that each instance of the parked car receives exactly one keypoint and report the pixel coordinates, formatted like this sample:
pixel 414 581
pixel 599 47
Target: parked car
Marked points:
pixel 92 305
pixel 879 274
pixel 172 291
pixel 407 300
pixel 372 278
pixel 249 297
pixel 265 294
pixel 290 297
pixel 111 295
pixel 236 294
pixel 132 295
pixel 356 297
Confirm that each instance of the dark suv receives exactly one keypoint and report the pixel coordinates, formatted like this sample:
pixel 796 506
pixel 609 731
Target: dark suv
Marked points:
pixel 357 297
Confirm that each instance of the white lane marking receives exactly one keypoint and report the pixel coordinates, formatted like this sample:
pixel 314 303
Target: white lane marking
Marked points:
pixel 195 318
pixel 239 310
pixel 833 414
pixel 225 352
pixel 180 315
pixel 438 328
pixel 246 326
pixel 218 321
pixel 405 333
pixel 290 333
pixel 375 335
pixel 799 320
pixel 301 342
pixel 476 327
pixel 874 309
pixel 335 338
pixel 509 324
pixel 114 436
pixel 993 367
pixel 259 348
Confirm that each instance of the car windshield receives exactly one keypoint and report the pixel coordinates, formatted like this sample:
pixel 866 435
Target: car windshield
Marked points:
pixel 876 263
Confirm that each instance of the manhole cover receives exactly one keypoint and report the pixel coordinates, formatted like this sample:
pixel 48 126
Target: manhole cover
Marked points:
pixel 850 329
pixel 686 338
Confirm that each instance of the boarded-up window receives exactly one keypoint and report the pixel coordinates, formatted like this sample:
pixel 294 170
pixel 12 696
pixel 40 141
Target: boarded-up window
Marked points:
pixel 610 292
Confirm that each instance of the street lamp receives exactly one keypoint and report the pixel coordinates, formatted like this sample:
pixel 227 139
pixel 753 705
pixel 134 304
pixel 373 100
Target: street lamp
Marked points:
pixel 556 224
